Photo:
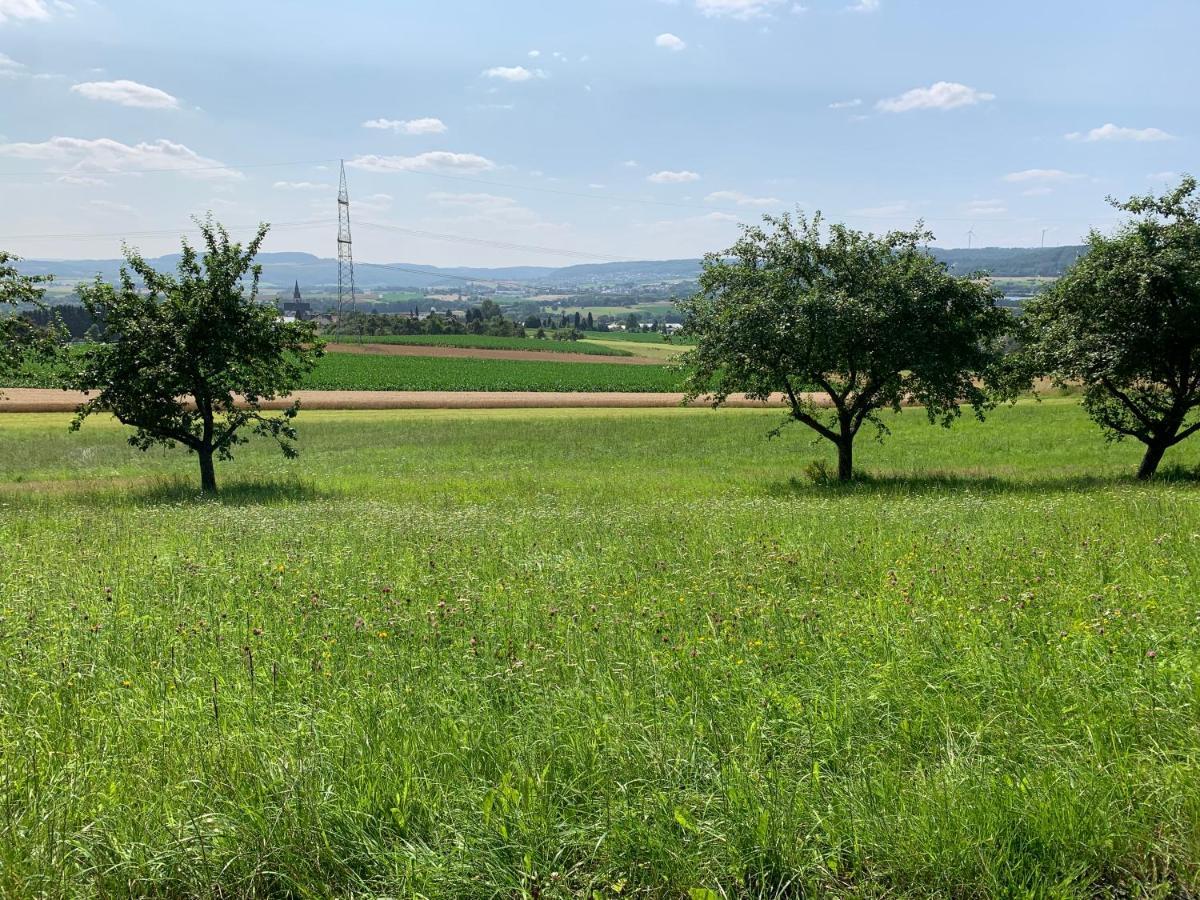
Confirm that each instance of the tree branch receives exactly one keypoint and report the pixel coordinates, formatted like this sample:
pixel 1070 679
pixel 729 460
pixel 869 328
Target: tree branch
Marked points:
pixel 800 415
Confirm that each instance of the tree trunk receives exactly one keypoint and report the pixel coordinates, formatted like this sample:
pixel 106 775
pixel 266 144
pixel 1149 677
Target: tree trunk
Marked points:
pixel 1154 455
pixel 846 458
pixel 208 474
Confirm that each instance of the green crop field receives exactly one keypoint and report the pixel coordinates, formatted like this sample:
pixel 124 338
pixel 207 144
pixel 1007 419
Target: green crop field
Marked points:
pixel 484 342
pixel 599 654
pixel 371 372
pixel 359 372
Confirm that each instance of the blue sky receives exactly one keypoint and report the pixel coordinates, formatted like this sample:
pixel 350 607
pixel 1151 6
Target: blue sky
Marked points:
pixel 492 133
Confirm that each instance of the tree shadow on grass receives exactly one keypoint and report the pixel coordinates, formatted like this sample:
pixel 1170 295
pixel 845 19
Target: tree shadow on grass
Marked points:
pixel 937 482
pixel 249 492
pixel 178 491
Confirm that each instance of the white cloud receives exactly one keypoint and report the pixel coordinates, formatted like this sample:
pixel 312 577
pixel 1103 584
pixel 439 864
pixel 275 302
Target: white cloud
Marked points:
pixel 373 203
pixel 887 211
pixel 484 208
pixel 9 67
pixel 23 10
pixel 301 186
pixel 126 93
pixel 864 6
pixel 672 177
pixel 408 126
pixel 1164 176
pixel 630 164
pixel 669 41
pixel 846 104
pixel 942 95
pixel 107 155
pixel 113 206
pixel 1040 175
pixel 737 197
pixel 513 73
pixel 82 180
pixel 474 201
pixel 986 208
pixel 737 9
pixel 534 54
pixel 1111 132
pixel 433 161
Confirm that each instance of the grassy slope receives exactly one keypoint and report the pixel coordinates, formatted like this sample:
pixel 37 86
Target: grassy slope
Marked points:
pixel 665 353
pixel 638 337
pixel 483 341
pixel 583 650
pixel 345 371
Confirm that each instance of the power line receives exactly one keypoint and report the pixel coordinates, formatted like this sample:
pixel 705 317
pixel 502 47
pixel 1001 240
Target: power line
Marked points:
pixel 602 196
pixel 429 274
pixel 503 245
pixel 178 170
pixel 164 232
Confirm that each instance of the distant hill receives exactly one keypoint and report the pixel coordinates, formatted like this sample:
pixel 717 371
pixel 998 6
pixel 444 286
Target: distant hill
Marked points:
pixel 1012 262
pixel 280 270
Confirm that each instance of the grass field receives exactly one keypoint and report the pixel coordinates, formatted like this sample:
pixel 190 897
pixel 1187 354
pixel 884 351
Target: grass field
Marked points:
pixel 639 337
pixel 486 342
pixel 353 372
pixel 598 654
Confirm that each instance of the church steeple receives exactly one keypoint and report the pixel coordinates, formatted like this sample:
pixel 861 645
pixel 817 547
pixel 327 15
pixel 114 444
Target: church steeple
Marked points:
pixel 296 292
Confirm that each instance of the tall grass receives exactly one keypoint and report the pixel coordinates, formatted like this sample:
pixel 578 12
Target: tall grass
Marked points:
pixel 599 654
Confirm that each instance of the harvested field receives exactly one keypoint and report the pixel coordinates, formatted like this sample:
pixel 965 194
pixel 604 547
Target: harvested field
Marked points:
pixel 16 400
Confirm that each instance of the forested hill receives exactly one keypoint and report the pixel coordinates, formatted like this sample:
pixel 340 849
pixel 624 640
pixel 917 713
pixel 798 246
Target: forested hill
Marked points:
pixel 1012 262
pixel 281 270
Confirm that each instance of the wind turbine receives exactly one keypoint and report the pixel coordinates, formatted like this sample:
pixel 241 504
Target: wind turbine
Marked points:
pixel 971 237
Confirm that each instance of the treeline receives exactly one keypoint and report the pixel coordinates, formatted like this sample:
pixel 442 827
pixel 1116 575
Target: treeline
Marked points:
pixel 487 319
pixel 78 322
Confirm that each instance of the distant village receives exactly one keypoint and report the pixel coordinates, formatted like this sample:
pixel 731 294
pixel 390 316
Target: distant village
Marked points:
pixel 520 303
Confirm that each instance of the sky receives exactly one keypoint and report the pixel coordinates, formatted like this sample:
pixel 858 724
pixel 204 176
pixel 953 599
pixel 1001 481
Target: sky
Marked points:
pixel 552 132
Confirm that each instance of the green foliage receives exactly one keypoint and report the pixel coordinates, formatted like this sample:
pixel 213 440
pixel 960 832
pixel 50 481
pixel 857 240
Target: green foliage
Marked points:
pixel 369 372
pixel 485 319
pixel 871 321
pixel 632 661
pixel 21 339
pixel 487 342
pixel 189 359
pixel 1125 322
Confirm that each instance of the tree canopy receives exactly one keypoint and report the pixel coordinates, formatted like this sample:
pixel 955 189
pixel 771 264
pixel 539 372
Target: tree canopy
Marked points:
pixel 189 358
pixel 1125 323
pixel 20 337
pixel 871 322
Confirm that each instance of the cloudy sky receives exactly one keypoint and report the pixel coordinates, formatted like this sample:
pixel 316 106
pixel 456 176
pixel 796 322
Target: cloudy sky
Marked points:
pixel 538 132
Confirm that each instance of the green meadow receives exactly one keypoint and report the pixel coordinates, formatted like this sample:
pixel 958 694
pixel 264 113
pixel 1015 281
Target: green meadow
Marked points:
pixel 600 654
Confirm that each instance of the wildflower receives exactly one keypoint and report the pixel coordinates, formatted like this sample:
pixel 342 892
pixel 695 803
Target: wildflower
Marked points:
pixel 383 635
pixel 1151 654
